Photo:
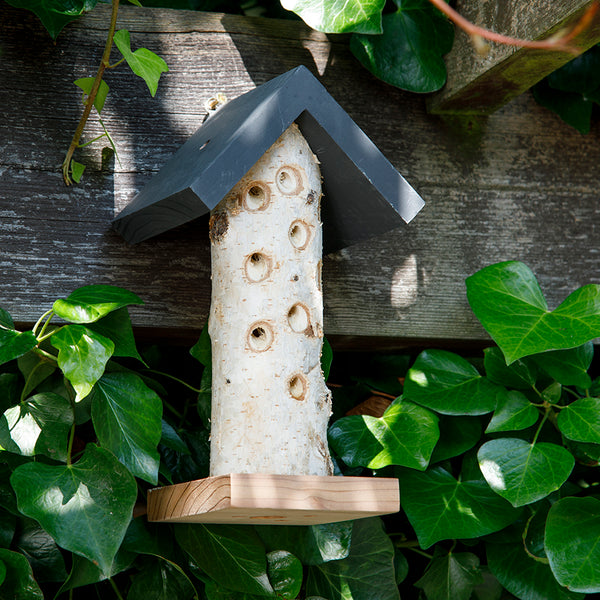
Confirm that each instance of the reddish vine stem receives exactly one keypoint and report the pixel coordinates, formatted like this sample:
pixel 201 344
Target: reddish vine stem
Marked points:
pixel 562 42
pixel 89 103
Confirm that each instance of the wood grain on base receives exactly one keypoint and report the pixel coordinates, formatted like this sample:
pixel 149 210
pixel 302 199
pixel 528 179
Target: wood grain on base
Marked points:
pixel 274 499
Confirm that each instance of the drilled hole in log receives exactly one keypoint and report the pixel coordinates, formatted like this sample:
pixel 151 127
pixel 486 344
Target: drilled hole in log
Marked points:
pixel 297 386
pixel 299 235
pixel 299 318
pixel 257 267
pixel 288 180
pixel 217 227
pixel 256 196
pixel 260 337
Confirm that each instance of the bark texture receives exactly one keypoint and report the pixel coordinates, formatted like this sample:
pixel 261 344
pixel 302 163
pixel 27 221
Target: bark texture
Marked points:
pixel 270 404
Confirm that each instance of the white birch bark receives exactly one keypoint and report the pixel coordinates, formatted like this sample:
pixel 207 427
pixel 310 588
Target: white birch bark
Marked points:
pixel 270 404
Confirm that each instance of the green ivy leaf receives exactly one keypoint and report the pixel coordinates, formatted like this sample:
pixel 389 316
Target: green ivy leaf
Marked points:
pixel 82 356
pixel 6 321
pixel 116 326
pixel 520 375
pixel 86 507
pixel 367 573
pixel 573 543
pixel 55 14
pixel 18 582
pixel 77 170
pixel 160 580
pixel 92 302
pixel 457 435
pixel 285 573
pixel 313 544
pixel 326 358
pixel 10 390
pixel 513 412
pixel 448 384
pixel 143 62
pixel 39 425
pixel 84 572
pixel 405 435
pixel 440 508
pixel 171 439
pixel 41 550
pixel 521 472
pixel 524 576
pixel 233 556
pixel 127 418
pixel 508 301
pixel 580 420
pixel 86 84
pixel 201 350
pixel 339 16
pixel 409 52
pixel 35 369
pixel 451 577
pixel 568 367
pixel 582 74
pixel 8 523
pixel 14 344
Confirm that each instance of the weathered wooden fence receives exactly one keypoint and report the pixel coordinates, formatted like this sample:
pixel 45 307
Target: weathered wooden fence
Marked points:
pixel 518 184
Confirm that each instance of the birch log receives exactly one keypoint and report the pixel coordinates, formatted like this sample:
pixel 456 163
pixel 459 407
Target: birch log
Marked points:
pixel 270 404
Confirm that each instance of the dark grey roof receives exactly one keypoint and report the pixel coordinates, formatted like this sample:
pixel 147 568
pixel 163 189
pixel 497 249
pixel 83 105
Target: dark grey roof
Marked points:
pixel 363 194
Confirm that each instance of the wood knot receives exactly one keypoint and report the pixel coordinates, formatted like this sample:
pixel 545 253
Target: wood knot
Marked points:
pixel 217 227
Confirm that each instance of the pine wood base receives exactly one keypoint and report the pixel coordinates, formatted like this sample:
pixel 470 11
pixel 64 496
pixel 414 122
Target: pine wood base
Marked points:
pixel 274 499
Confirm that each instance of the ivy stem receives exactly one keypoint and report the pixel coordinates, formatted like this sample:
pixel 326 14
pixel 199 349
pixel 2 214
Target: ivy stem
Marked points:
pixel 187 385
pixel 89 103
pixel 70 446
pixel 547 411
pixel 115 589
pixel 39 321
pixel 527 551
pixel 560 42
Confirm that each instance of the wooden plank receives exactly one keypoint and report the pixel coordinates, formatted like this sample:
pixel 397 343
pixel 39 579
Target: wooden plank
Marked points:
pixel 482 83
pixel 517 185
pixel 243 498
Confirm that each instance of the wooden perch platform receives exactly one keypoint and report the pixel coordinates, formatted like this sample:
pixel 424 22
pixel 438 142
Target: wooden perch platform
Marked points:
pixel 274 499
pixel 519 184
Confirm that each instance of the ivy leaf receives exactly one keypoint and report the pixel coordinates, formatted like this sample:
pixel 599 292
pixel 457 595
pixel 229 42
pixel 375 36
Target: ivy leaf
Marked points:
pixel 116 326
pixel 82 356
pixel 523 576
pixel 162 581
pixel 520 375
pixel 127 417
pixel 568 367
pixel 573 108
pixel 339 16
pixel 84 572
pixel 367 573
pixel 18 581
pixel 457 435
pixel 513 412
pixel 86 506
pixel 405 435
pixel 6 321
pixel 326 358
pixel 86 84
pixel 77 170
pixel 285 573
pixel 508 301
pixel 92 302
pixel 41 551
pixel 451 577
pixel 55 14
pixel 233 556
pixel 143 62
pixel 580 420
pixel 439 507
pixel 573 543
pixel 201 350
pixel 522 472
pixel 14 344
pixel 448 384
pixel 35 369
pixel 313 544
pixel 39 425
pixel 582 74
pixel 409 52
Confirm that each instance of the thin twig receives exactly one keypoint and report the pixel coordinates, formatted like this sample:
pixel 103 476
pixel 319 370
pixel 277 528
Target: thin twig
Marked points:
pixel 89 103
pixel 561 42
